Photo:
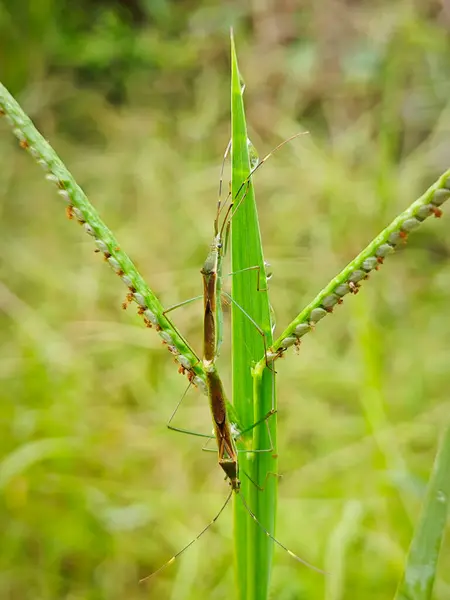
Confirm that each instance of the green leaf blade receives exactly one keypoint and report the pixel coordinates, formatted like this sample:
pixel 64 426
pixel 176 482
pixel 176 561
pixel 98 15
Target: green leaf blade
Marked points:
pixel 420 570
pixel 253 391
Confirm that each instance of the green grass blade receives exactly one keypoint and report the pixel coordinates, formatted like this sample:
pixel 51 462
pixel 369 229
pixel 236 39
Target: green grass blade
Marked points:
pixel 421 564
pixel 80 209
pixel 252 391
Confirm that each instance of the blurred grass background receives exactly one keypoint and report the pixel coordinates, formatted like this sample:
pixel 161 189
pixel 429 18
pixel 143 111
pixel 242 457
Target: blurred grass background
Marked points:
pixel 134 96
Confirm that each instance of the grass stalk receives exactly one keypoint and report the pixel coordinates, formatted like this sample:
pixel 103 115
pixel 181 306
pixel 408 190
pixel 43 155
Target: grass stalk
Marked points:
pixel 253 390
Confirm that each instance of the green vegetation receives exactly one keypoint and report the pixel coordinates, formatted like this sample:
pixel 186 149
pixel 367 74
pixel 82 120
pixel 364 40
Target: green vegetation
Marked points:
pixel 253 392
pixel 95 492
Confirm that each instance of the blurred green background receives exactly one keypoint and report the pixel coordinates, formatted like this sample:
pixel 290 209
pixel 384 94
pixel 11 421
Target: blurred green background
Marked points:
pixel 134 96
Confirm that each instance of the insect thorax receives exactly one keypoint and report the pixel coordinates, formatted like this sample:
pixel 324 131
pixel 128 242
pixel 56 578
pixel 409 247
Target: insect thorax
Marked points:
pixel 230 467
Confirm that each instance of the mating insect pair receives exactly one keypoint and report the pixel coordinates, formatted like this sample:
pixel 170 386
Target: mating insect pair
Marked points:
pixel 212 275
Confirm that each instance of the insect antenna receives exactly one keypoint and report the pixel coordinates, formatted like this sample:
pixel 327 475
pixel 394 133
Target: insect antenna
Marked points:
pixel 274 539
pixel 197 537
pixel 230 212
pixel 219 202
pixel 252 172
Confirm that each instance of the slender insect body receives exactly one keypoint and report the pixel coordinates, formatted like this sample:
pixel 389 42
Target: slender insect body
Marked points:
pixel 222 429
pixel 227 451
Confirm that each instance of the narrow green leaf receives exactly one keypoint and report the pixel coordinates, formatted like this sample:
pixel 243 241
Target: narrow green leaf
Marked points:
pixel 421 564
pixel 253 390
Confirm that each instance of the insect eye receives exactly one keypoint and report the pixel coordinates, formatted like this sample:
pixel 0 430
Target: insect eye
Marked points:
pixel 219 245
